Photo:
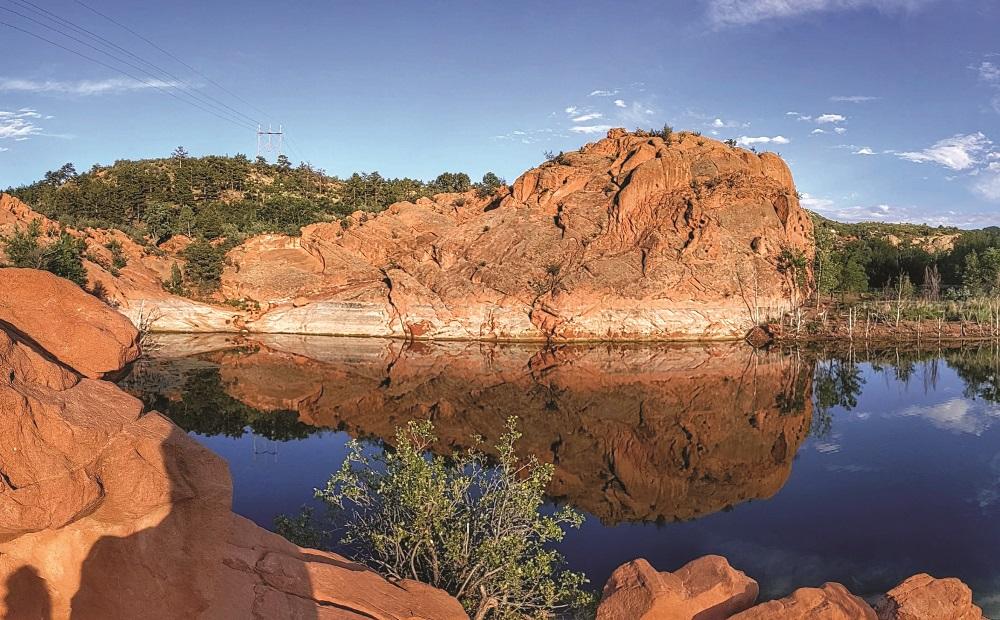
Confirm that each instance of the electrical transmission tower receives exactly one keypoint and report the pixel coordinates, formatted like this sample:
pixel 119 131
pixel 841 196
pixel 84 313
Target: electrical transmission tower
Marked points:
pixel 270 141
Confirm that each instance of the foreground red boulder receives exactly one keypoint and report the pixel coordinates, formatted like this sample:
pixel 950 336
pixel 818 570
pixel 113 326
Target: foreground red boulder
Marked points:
pixel 107 512
pixel 76 328
pixel 707 588
pixel 830 602
pixel 710 589
pixel 922 597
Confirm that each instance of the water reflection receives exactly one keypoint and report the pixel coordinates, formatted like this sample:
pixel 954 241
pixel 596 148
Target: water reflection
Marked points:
pixel 636 433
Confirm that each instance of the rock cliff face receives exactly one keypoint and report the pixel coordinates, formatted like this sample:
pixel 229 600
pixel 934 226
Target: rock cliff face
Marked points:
pixel 107 512
pixel 636 433
pixel 628 238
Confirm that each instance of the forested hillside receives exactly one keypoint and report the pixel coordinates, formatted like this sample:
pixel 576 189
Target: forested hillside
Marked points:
pixel 211 197
pixel 919 259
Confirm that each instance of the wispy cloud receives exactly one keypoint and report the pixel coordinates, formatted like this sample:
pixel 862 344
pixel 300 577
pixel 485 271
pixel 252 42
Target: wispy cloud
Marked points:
pixel 587 117
pixel 864 151
pixel 603 93
pixel 19 124
pixel 988 185
pixel 853 98
pixel 959 152
pixel 590 129
pixel 749 141
pixel 620 103
pixel 723 13
pixel 989 74
pixel 81 87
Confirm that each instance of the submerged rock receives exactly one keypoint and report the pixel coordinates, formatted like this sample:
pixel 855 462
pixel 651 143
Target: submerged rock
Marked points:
pixel 109 512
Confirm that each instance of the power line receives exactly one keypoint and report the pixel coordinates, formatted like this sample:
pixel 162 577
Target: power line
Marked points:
pixel 123 72
pixel 174 57
pixel 127 63
pixel 53 17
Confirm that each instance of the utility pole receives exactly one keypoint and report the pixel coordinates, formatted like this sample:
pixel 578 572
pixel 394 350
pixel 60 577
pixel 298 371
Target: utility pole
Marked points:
pixel 270 141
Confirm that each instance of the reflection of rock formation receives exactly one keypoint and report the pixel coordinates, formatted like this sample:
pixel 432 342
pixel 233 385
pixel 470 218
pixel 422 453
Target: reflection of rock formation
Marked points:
pixel 636 432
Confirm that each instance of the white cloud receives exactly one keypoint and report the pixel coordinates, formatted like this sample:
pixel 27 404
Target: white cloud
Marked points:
pixel 724 13
pixel 718 123
pixel 988 72
pixel 748 141
pixel 957 415
pixel 571 110
pixel 853 98
pixel 818 131
pixel 959 152
pixel 830 118
pixel 589 129
pixel 18 125
pixel 620 103
pixel 3 148
pixel 988 186
pixel 840 130
pixel 864 151
pixel 81 87
pixel 587 117
pixel 814 203
pixel 603 93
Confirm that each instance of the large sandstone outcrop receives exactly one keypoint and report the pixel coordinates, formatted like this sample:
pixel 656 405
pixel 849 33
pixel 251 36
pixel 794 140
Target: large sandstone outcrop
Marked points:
pixel 636 433
pixel 628 238
pixel 106 512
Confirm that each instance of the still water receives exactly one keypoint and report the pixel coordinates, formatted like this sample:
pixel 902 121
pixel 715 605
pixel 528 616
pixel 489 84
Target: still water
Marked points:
pixel 862 467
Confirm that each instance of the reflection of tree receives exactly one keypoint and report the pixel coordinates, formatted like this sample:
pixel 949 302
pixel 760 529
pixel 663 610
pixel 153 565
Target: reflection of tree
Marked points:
pixel 979 368
pixel 837 383
pixel 205 408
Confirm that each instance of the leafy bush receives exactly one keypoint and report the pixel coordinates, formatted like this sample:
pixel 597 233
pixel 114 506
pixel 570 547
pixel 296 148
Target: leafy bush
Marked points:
pixel 475 529
pixel 63 257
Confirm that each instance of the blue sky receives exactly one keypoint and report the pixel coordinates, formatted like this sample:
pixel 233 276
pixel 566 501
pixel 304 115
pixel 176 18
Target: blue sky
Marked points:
pixel 885 109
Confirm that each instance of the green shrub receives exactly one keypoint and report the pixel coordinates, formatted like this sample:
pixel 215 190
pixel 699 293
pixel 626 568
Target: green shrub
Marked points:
pixel 475 528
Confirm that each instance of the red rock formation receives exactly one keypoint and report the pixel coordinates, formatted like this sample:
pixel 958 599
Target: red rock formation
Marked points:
pixel 922 597
pixel 628 238
pixel 707 589
pixel 106 512
pixel 75 327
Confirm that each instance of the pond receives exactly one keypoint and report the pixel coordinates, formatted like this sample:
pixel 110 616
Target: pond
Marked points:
pixel 799 466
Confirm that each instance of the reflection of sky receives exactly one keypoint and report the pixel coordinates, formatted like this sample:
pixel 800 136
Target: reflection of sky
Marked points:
pixel 907 482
